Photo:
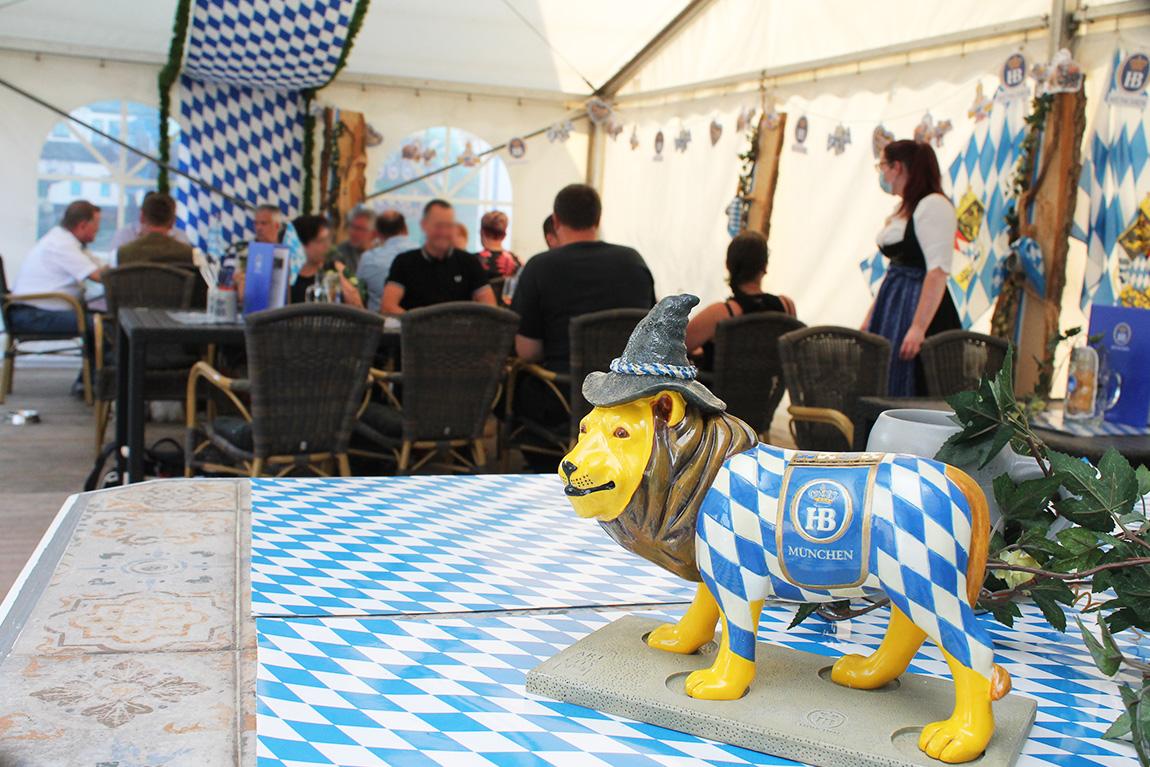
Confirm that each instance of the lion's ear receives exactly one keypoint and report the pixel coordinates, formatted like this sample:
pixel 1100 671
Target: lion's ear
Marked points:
pixel 670 407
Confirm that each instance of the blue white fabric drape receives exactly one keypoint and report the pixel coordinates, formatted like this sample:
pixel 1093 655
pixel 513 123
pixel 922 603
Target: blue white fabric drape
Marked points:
pixel 981 191
pixel 241 106
pixel 1113 212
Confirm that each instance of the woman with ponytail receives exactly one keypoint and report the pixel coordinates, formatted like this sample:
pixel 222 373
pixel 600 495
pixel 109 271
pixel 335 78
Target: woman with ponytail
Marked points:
pixel 918 239
pixel 746 267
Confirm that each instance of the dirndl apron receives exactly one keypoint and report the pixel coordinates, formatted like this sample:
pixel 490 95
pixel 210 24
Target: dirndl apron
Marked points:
pixel 894 309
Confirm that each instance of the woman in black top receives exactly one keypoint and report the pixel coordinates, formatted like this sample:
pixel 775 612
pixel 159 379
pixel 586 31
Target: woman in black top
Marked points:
pixel 315 236
pixel 746 267
pixel 913 302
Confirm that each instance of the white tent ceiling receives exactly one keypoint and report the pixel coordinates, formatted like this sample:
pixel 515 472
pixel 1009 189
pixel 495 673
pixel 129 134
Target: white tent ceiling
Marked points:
pixel 481 42
pixel 546 46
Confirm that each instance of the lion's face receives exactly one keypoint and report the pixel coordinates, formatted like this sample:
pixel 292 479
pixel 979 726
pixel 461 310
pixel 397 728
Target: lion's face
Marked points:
pixel 607 464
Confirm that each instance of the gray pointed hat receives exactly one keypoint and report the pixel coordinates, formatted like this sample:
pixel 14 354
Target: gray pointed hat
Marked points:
pixel 655 360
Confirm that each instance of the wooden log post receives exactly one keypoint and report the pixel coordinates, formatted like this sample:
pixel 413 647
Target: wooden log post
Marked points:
pixel 766 174
pixel 1045 214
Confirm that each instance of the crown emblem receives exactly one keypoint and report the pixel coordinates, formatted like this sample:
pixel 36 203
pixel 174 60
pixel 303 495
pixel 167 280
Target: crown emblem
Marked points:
pixel 1138 63
pixel 823 494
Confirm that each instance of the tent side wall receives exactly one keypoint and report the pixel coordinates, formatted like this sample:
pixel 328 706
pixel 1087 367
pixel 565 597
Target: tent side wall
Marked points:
pixel 69 83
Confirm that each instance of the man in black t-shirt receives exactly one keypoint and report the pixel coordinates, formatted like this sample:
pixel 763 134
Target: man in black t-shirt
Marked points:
pixel 437 272
pixel 582 275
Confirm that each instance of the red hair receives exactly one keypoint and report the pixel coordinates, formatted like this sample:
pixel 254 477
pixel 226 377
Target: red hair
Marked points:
pixel 922 174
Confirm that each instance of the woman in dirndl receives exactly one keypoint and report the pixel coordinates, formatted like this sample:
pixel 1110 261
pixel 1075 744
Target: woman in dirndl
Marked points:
pixel 913 302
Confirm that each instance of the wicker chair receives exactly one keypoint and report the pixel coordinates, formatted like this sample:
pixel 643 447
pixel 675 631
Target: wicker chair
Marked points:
pixel 955 360
pixel 308 368
pixel 596 339
pixel 142 285
pixel 748 373
pixel 454 358
pixel 13 340
pixel 827 369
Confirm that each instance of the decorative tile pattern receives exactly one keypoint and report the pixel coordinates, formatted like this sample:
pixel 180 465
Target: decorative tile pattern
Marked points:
pixel 435 545
pixel 167 495
pixel 373 691
pixel 140 710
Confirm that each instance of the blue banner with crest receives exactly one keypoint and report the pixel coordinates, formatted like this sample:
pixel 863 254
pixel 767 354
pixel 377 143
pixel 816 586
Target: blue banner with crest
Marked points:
pixel 823 526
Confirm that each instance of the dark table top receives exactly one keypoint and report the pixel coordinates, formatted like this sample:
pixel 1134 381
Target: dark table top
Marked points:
pixel 159 324
pixel 1136 449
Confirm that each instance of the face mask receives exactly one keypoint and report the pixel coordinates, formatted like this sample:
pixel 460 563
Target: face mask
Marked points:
pixel 884 184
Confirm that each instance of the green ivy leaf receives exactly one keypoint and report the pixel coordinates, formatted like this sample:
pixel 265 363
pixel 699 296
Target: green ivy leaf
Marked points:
pixel 1143 476
pixel 1099 498
pixel 805 611
pixel 1049 595
pixel 1005 612
pixel 1078 540
pixel 1106 656
pixel 1120 729
pixel 1140 725
pixel 1027 501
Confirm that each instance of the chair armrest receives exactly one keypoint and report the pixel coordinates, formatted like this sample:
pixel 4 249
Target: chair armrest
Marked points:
pixel 550 379
pixel 229 386
pixel 386 379
pixel 826 415
pixel 77 307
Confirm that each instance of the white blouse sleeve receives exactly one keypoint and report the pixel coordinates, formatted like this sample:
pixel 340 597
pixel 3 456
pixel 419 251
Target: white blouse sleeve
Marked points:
pixel 934 226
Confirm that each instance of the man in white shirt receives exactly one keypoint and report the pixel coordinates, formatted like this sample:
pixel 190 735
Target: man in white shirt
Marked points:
pixel 58 264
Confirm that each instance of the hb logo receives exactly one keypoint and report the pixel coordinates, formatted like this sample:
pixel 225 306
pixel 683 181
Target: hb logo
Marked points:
pixel 820 519
pixel 821 510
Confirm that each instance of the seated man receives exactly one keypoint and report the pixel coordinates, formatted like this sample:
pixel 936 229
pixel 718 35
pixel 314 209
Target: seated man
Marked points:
pixel 58 263
pixel 375 264
pixel 132 232
pixel 582 275
pixel 360 237
pixel 437 272
pixel 156 245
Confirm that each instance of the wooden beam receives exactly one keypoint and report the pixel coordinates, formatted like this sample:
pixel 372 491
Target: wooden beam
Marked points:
pixel 668 33
pixel 1046 214
pixel 766 175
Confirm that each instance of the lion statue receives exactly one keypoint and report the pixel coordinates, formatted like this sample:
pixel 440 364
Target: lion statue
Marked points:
pixel 674 478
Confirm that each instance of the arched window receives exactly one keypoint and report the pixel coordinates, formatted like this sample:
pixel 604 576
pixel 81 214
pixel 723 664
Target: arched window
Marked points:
pixel 473 189
pixel 76 163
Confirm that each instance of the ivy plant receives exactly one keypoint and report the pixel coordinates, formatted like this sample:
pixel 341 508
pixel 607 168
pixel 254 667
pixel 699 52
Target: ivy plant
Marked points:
pixel 1077 536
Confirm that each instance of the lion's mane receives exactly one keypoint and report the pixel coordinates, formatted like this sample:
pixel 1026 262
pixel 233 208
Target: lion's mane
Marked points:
pixel 658 522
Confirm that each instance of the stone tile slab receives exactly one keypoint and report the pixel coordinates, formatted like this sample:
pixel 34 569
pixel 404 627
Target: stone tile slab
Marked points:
pixel 792 710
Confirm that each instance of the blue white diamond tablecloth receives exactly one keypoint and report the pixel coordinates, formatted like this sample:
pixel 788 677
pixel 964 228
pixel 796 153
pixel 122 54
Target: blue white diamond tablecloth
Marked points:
pixel 404 545
pixel 450 691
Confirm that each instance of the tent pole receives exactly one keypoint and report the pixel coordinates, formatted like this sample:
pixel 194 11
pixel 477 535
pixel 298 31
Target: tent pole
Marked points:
pixel 664 36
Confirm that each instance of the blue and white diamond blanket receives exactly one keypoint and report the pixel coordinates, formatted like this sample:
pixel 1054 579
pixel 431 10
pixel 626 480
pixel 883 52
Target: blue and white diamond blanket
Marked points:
pixel 369 692
pixel 395 545
pixel 810 527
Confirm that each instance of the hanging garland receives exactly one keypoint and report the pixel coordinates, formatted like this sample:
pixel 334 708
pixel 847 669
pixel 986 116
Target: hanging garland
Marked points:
pixel 1010 298
pixel 167 78
pixel 309 123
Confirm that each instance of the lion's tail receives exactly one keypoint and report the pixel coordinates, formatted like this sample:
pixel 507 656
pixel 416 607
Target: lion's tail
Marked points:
pixel 976 556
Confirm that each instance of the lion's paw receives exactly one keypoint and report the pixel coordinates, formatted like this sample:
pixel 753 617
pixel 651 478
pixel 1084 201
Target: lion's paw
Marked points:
pixel 954 741
pixel 708 684
pixel 672 637
pixel 861 673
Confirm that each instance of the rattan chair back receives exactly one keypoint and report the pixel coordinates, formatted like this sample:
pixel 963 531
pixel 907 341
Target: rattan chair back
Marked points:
pixel 748 372
pixel 308 367
pixel 4 291
pixel 596 339
pixel 955 360
pixel 154 286
pixel 454 360
pixel 832 367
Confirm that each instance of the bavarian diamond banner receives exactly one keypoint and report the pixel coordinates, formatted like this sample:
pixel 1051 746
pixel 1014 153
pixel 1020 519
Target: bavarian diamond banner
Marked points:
pixel 1113 212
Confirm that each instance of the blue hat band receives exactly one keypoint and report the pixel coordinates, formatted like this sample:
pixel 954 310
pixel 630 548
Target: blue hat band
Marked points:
pixel 683 372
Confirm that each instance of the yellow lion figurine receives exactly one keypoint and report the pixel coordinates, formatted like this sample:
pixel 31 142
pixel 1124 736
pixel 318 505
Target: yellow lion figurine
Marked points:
pixel 675 479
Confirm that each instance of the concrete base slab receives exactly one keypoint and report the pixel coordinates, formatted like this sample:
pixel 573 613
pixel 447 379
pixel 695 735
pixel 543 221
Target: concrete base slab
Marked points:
pixel 793 709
